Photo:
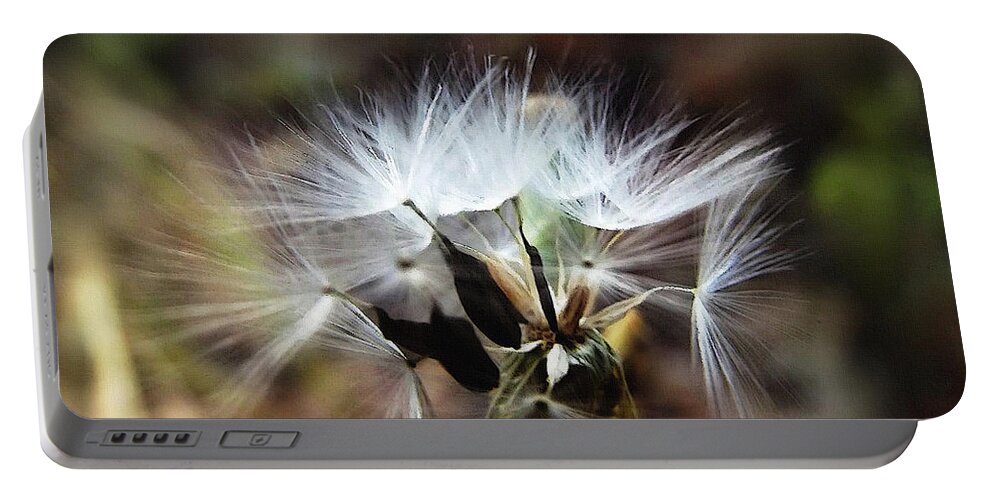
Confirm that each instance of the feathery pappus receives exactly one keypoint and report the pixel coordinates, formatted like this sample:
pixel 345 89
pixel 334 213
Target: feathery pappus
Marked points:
pixel 499 227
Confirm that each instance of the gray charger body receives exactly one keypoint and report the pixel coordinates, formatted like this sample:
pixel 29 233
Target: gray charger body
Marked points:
pixel 75 441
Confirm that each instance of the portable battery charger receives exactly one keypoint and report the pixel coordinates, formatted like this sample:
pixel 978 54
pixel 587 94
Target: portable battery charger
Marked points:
pixel 486 251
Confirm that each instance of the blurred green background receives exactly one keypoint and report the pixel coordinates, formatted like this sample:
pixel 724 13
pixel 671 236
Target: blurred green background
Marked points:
pixel 877 334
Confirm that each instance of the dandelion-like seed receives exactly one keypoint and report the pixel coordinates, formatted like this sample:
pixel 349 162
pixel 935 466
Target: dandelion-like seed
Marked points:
pixel 501 231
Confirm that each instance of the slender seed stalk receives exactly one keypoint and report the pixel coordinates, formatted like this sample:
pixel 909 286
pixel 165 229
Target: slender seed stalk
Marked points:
pixel 425 218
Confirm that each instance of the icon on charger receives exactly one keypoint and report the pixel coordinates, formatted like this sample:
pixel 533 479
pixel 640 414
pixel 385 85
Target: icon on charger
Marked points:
pixel 260 439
